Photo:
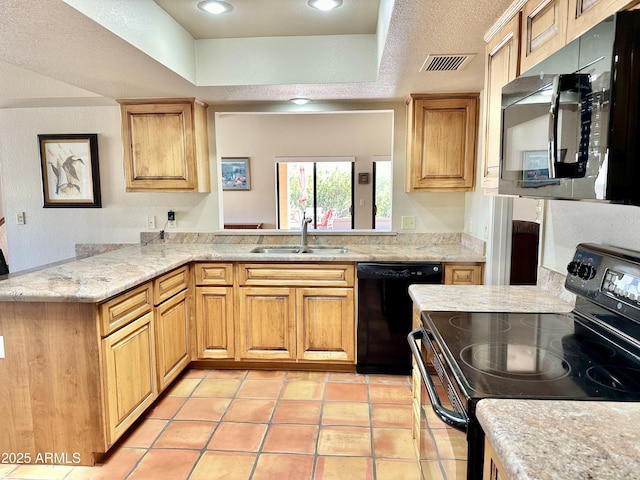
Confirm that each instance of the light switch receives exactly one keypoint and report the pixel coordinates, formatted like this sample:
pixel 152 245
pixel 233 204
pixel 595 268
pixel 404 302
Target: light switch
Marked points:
pixel 20 218
pixel 1 346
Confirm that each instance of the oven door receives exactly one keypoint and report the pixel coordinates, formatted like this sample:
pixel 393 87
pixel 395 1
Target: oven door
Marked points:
pixel 434 443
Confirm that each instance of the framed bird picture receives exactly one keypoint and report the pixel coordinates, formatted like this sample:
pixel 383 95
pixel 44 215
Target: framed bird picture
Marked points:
pixel 70 173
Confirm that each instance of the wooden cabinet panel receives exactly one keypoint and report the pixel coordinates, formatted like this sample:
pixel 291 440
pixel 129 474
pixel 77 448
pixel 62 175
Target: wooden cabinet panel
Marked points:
pixel 291 274
pixel 129 374
pixel 492 469
pixel 267 326
pixel 214 322
pixel 165 145
pixel 584 14
pixel 463 274
pixel 172 338
pixel 169 284
pixel 124 308
pixel 441 146
pixel 214 274
pixel 544 30
pixel 325 324
pixel 503 54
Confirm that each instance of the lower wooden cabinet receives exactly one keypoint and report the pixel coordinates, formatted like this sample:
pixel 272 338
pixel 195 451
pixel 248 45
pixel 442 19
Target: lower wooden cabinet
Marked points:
pixel 215 338
pixel 325 324
pixel 172 338
pixel 493 469
pixel 296 312
pixel 266 323
pixel 463 273
pixel 129 374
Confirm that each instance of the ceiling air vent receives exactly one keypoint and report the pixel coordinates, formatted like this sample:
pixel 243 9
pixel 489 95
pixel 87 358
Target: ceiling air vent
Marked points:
pixel 445 63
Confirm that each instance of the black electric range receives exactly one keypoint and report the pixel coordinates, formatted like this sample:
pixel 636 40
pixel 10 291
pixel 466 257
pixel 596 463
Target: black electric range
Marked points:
pixel 591 353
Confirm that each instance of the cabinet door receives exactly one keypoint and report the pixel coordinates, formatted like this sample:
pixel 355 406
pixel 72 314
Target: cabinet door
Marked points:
pixel 129 373
pixel 266 320
pixel 463 274
pixel 326 324
pixel 544 30
pixel 165 145
pixel 172 338
pixel 503 53
pixel 214 322
pixel 584 14
pixel 442 142
pixel 492 469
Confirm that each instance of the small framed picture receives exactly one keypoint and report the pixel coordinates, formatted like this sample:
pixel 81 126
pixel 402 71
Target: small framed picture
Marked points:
pixel 363 178
pixel 235 173
pixel 70 172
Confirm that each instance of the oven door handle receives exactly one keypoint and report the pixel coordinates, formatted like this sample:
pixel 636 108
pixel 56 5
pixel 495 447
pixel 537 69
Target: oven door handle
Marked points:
pixel 457 420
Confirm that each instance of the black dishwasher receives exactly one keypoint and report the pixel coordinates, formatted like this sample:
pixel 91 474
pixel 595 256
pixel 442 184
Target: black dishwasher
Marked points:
pixel 385 313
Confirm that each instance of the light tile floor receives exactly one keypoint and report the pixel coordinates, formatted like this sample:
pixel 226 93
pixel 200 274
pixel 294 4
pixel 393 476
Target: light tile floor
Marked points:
pixel 266 425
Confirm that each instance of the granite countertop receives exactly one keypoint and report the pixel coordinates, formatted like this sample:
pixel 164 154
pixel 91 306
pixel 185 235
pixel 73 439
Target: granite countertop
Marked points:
pixel 556 440
pixel 490 298
pixel 97 278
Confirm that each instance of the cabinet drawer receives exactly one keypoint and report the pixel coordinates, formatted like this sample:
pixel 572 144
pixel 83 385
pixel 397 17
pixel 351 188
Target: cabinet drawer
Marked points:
pixel 170 283
pixel 463 274
pixel 125 308
pixel 316 275
pixel 214 274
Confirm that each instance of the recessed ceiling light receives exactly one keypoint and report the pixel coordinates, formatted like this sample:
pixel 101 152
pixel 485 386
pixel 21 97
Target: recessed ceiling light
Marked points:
pixel 300 101
pixel 325 4
pixel 215 7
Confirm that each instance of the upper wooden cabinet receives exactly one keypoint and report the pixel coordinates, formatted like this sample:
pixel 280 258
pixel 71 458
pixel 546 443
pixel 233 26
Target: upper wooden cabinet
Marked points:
pixel 502 66
pixel 441 142
pixel 584 14
pixel 544 30
pixel 166 145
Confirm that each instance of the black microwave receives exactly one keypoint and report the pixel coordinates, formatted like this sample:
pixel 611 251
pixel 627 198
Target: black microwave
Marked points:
pixel 571 124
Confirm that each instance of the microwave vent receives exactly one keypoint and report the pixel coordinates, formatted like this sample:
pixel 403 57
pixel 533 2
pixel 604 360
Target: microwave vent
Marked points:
pixel 446 63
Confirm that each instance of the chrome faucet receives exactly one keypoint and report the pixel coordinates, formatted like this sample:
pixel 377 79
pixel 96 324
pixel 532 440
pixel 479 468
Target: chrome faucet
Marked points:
pixel 303 228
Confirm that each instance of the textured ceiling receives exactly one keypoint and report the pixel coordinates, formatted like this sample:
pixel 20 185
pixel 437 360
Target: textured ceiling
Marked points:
pixel 55 55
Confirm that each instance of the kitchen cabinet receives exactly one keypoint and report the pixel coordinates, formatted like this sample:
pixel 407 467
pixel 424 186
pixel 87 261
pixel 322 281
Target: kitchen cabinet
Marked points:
pixel 544 30
pixel 463 273
pixel 493 469
pixel 441 142
pixel 214 307
pixel 166 146
pixel 172 325
pixel 584 14
pixel 129 375
pixel 296 312
pixel 266 323
pixel 502 66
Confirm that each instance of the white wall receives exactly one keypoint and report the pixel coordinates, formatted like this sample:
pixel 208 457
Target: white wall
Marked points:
pixel 50 234
pixel 568 223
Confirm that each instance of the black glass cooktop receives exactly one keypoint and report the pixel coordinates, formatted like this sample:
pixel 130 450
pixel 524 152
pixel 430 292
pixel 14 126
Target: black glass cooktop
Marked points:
pixel 529 355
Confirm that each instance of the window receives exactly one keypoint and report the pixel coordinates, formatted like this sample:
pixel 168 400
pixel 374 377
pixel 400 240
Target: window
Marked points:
pixel 321 190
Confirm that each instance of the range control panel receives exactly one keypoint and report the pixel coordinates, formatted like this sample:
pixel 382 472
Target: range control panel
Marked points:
pixel 608 276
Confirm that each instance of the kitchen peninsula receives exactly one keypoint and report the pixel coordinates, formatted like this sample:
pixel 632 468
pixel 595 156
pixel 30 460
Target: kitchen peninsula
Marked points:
pixel 90 344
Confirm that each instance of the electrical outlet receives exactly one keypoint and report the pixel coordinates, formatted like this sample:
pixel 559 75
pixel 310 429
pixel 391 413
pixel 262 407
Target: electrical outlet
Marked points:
pixel 171 219
pixel 408 222
pixel 20 218
pixel 151 221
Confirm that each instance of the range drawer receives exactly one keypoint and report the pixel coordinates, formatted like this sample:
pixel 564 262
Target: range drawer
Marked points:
pixel 291 274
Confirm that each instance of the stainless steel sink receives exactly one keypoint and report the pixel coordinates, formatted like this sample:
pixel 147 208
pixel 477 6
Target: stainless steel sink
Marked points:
pixel 326 249
pixel 317 249
pixel 277 250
